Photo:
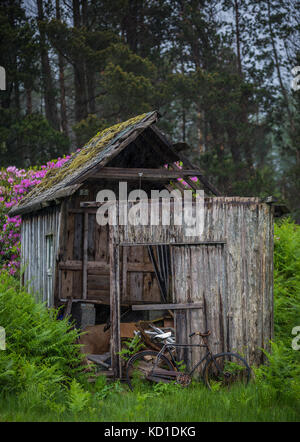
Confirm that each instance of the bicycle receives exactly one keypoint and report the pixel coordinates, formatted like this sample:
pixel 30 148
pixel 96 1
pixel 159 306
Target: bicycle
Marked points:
pixel 223 368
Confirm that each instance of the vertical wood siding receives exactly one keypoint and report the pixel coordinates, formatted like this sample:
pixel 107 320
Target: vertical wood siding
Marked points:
pixel 34 229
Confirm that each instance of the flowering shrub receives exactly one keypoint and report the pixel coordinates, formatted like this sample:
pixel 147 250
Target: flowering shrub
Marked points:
pixel 14 184
pixel 179 164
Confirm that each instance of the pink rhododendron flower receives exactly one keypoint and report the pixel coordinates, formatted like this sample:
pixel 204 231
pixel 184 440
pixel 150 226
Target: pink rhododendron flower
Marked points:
pixel 11 169
pixel 14 184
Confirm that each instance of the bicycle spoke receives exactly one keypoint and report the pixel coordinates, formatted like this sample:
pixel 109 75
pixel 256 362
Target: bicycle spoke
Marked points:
pixel 225 370
pixel 144 366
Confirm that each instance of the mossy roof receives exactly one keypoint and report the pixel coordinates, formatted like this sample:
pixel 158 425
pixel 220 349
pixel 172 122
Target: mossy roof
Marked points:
pixel 64 181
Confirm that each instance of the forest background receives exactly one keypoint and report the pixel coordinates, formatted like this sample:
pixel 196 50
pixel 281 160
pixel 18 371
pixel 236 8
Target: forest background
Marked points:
pixel 219 72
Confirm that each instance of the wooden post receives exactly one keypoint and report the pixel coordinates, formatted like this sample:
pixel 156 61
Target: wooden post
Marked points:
pixel 115 346
pixel 85 255
pixel 60 251
pixel 124 273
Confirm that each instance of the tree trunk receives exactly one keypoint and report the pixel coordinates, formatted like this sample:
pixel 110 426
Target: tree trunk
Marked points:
pixel 49 90
pixel 79 73
pixel 244 103
pixel 17 98
pixel 183 124
pixel 63 107
pixel 90 76
pixel 237 34
pixel 28 101
pixel 129 24
pixel 277 64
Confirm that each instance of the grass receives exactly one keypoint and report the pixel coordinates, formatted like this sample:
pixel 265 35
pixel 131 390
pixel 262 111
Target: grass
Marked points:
pixel 162 404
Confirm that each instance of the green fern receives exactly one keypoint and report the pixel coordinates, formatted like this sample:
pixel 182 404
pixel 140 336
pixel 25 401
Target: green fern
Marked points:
pixel 39 347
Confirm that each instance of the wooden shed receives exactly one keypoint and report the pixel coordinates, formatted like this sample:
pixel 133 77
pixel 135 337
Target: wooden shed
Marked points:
pixel 221 280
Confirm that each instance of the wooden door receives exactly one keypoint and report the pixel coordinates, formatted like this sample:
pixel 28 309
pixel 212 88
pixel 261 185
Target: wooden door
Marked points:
pixel 198 276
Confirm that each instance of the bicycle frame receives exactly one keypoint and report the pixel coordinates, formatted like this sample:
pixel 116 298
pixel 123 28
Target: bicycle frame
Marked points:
pixel 168 347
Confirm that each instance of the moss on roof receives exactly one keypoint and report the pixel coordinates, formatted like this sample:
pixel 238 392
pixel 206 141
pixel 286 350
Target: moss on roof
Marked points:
pixel 82 158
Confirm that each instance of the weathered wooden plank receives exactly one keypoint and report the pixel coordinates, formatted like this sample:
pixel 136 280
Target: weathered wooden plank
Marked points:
pixel 67 276
pixel 167 243
pixel 77 265
pixel 85 254
pixel 181 336
pixel 167 306
pixel 61 229
pixel 115 295
pixel 151 292
pixel 99 293
pixel 101 243
pixel 101 265
pixel 124 274
pixel 78 237
pixel 91 237
pixel 146 174
pixel 98 281
pixel 135 286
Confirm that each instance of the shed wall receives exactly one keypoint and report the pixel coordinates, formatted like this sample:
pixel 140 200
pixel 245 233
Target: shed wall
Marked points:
pixel 34 229
pixel 235 283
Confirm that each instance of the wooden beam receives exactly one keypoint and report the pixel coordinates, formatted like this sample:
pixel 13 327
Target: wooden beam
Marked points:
pixel 197 243
pixel 115 340
pixel 85 254
pixel 68 308
pixel 124 272
pixel 91 301
pixel 166 306
pixel 163 174
pixel 92 204
pixel 101 265
pixel 60 251
pixel 77 265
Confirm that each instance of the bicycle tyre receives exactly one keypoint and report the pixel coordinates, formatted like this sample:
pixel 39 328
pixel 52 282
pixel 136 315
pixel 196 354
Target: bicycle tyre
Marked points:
pixel 142 356
pixel 238 372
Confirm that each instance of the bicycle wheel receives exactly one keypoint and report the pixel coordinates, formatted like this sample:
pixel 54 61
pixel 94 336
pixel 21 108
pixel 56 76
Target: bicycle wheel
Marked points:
pixel 141 364
pixel 226 369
